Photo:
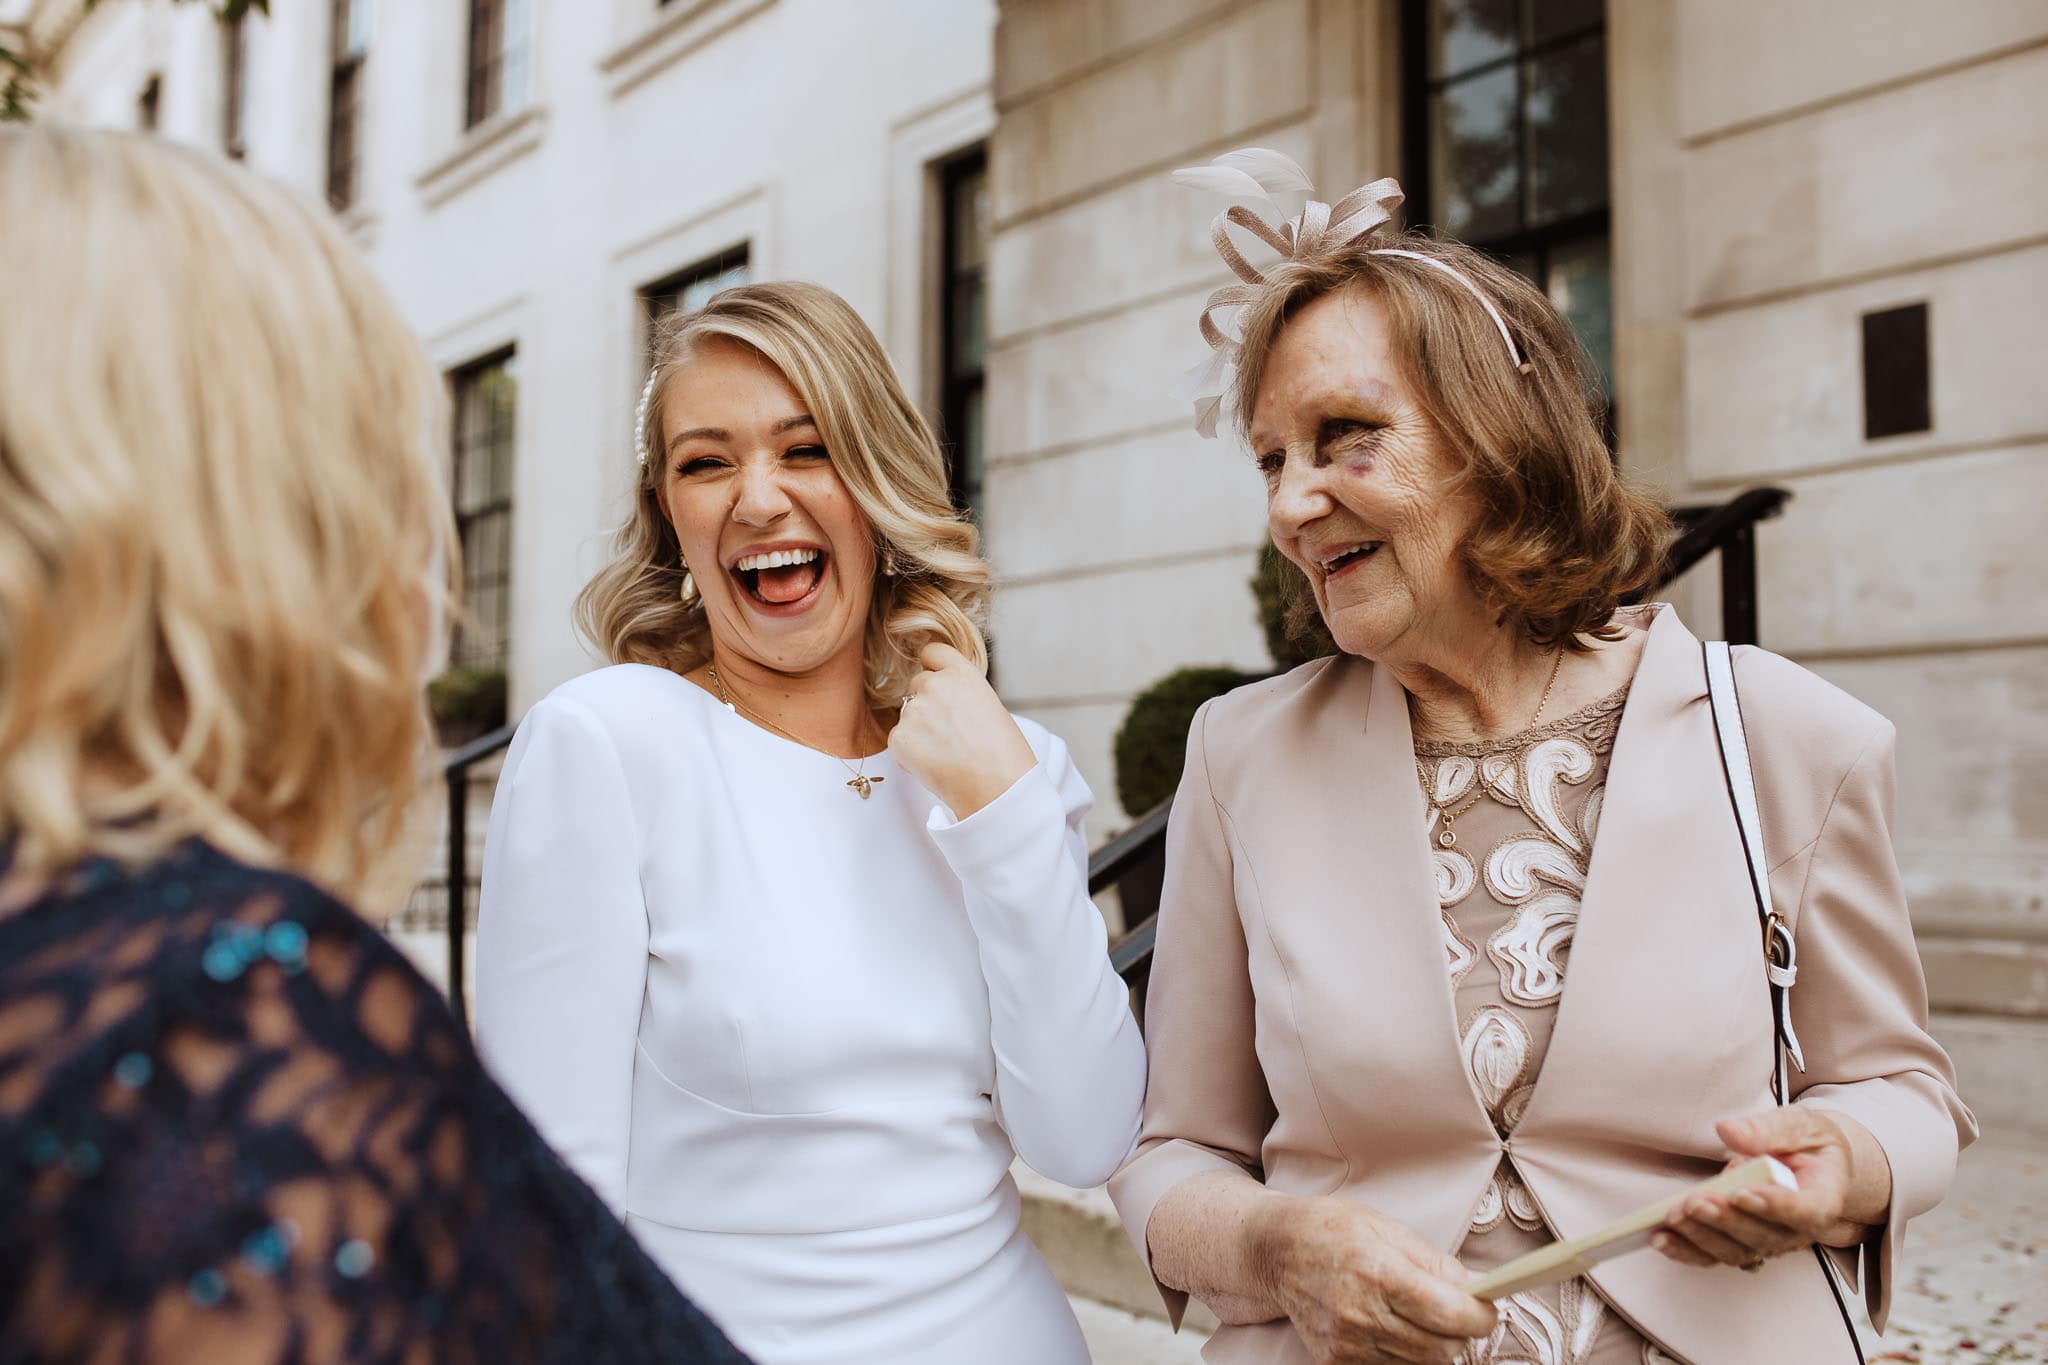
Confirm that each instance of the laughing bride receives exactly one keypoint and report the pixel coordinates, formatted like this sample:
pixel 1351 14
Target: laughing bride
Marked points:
pixel 785 939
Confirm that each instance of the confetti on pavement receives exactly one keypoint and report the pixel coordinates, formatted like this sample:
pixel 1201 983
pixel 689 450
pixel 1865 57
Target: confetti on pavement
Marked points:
pixel 1974 1287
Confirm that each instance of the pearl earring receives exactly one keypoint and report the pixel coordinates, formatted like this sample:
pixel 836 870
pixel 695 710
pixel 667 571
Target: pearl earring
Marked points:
pixel 689 593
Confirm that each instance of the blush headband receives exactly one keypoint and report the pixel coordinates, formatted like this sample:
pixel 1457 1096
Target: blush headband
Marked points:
pixel 1257 173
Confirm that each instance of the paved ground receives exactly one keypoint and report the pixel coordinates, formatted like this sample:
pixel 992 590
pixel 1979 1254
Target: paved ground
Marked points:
pixel 1119 1338
pixel 1976 1281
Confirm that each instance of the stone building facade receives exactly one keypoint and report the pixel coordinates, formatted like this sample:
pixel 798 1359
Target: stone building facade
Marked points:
pixel 1807 243
pixel 1825 256
pixel 532 177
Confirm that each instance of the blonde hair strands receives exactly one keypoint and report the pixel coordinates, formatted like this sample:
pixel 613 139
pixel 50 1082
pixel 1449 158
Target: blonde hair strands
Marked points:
pixel 218 521
pixel 931 583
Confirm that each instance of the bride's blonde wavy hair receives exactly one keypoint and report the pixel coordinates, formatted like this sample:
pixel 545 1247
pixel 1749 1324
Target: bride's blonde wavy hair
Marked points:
pixel 219 525
pixel 931 584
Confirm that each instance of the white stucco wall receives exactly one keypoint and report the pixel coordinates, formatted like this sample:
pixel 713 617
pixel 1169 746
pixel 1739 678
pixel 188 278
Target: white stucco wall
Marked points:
pixel 655 135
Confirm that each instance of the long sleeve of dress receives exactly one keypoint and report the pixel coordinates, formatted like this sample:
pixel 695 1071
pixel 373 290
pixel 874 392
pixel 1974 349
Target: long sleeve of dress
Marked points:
pixel 1207 1107
pixel 561 951
pixel 240 1126
pixel 1860 1010
pixel 1070 1064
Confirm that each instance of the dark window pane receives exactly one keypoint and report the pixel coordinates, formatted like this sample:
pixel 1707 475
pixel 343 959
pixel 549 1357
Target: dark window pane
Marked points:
pixel 969 211
pixel 697 292
pixel 963 302
pixel 1568 131
pixel 689 290
pixel 1475 164
pixel 486 23
pixel 1524 260
pixel 973 447
pixel 1581 284
pixel 1468 33
pixel 1553 18
pixel 969 328
pixel 486 404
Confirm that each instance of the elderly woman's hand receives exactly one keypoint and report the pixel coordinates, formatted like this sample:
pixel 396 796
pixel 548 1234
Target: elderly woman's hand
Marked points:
pixel 1362 1289
pixel 954 736
pixel 1844 1189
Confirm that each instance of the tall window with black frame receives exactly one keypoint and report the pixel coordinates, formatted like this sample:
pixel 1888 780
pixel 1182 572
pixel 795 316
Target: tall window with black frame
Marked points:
pixel 1506 131
pixel 963 322
pixel 686 290
pixel 486 395
pixel 349 48
pixel 500 57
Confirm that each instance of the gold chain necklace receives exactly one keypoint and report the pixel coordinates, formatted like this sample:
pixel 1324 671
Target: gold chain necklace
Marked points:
pixel 1448 838
pixel 860 782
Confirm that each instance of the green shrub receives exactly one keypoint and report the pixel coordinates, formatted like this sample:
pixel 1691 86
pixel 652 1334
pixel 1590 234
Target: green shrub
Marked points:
pixel 1153 741
pixel 1295 632
pixel 467 703
pixel 1152 744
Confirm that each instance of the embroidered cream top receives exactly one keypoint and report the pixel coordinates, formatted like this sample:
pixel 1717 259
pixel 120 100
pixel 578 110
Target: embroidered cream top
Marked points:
pixel 1509 889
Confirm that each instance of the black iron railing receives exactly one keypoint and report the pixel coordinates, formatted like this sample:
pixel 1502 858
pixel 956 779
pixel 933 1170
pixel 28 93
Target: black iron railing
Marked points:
pixel 456 770
pixel 1134 861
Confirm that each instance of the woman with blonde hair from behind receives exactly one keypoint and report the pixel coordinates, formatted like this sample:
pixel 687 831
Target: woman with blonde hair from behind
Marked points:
pixel 785 935
pixel 235 1125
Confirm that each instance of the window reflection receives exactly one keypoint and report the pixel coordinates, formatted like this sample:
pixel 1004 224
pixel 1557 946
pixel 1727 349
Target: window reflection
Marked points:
pixel 1509 141
pixel 1567 153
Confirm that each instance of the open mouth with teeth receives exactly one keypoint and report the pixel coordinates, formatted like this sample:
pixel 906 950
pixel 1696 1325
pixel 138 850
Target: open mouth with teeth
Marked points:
pixel 780 578
pixel 1349 559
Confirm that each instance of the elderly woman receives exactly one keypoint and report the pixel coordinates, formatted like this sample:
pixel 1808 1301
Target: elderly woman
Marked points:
pixel 786 939
pixel 235 1124
pixel 1458 951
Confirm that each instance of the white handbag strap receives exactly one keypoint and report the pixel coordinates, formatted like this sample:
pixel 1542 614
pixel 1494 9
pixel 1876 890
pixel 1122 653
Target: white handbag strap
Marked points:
pixel 1781 963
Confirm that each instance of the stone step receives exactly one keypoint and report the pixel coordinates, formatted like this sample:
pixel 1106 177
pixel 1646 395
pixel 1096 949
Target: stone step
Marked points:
pixel 1081 1238
pixel 1119 1338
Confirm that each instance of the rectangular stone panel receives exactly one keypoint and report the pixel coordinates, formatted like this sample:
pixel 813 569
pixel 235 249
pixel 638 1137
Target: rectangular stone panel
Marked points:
pixel 1089 729
pixel 1039 42
pixel 1249 70
pixel 1945 550
pixel 1972 819
pixel 1986 976
pixel 1168 493
pixel 1136 241
pixel 1109 635
pixel 1107 377
pixel 1926 171
pixel 1777 387
pixel 1998 1068
pixel 1749 59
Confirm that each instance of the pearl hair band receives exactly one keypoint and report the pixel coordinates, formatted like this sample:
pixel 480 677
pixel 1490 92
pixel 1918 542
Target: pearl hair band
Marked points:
pixel 1258 173
pixel 640 419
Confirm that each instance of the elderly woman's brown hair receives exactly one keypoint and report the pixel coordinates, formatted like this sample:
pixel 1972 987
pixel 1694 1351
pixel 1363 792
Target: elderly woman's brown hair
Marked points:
pixel 1561 538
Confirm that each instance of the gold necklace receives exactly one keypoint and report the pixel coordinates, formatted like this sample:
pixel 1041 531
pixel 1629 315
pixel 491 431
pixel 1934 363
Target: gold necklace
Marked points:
pixel 860 782
pixel 1448 838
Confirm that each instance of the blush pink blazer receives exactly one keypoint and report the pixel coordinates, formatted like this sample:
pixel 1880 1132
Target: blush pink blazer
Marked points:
pixel 1301 1028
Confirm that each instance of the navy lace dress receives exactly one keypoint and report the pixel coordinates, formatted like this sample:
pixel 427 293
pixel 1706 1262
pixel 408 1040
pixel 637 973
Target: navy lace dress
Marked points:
pixel 236 1125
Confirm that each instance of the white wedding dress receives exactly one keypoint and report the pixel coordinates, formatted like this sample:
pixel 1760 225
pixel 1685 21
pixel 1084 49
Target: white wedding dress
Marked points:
pixel 795 1037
